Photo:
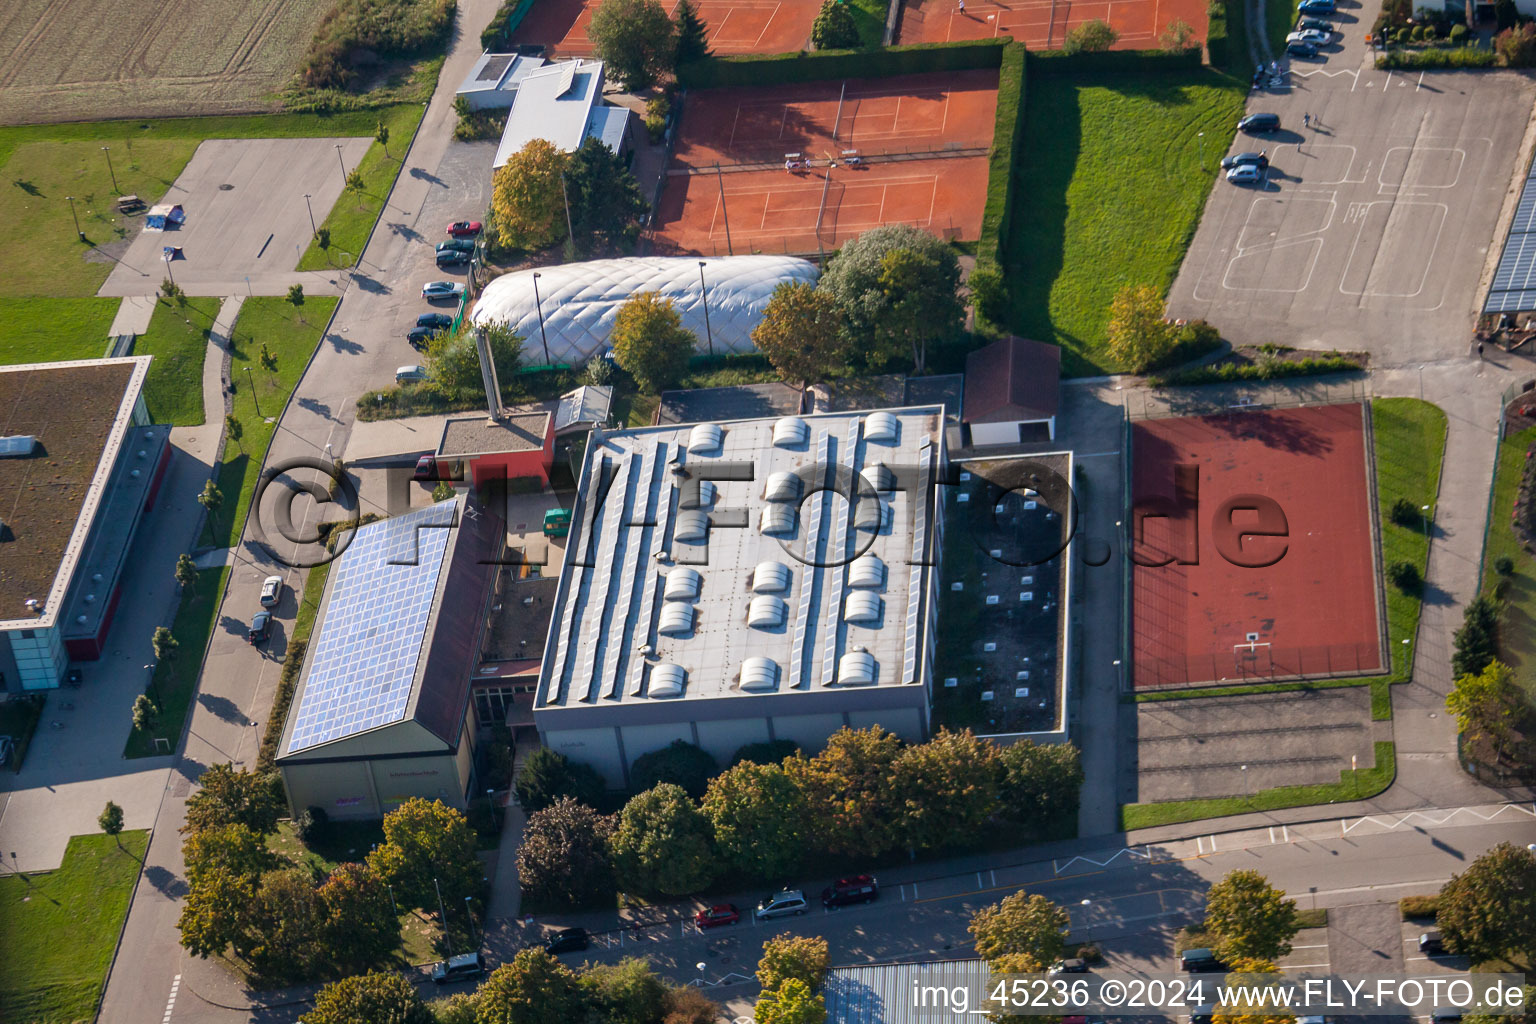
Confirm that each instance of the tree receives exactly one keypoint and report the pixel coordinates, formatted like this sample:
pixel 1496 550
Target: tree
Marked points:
pixel 526 198
pixel 1506 14
pixel 1017 963
pixel 355 180
pixel 358 927
pixel 1488 912
pixel 686 1005
pixel 1476 642
pixel 1248 971
pixel 534 988
pixel 164 644
pixel 1022 923
pixel 989 293
pixel 186 570
pixel 267 358
pixel 922 304
pixel 627 992
pixel 854 808
pixel 1517 46
pixel 1178 36
pixel 766 752
pixel 786 957
pixel 1138 334
pixel 548 775
pixel 1487 704
pixel 211 498
pixel 650 342
pixel 792 1003
pixel 111 820
pixel 378 997
pixel 853 277
pixel 426 842
pixel 235 429
pixel 563 859
pixel 213 916
pixel 1251 918
pixel 1040 780
pixel 680 763
pixel 760 819
pixel 284 923
pixel 144 713
pixel 1091 37
pixel 801 333
pixel 381 133
pixel 948 788
pixel 605 197
pixel 635 38
pixel 296 291
pixel 692 36
pixel 663 844
pixel 227 796
pixel 834 27
pixel 234 849
pixel 459 1008
pixel 454 361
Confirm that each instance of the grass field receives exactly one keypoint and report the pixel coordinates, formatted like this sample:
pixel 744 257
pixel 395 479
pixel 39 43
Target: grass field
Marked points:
pixel 48 330
pixel 95 58
pixel 290 333
pixel 178 339
pixel 62 926
pixel 1517 627
pixel 1110 190
pixel 176 679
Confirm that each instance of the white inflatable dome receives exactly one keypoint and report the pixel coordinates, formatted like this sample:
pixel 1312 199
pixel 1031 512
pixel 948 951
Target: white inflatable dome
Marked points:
pixel 580 300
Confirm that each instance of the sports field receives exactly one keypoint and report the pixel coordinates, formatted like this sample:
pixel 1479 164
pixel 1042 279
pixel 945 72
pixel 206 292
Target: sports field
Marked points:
pixel 920 143
pixel 73 60
pixel 1254 552
pixel 1044 24
pixel 734 26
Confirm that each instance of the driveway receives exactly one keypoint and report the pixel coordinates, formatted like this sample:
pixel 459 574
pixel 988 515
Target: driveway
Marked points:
pixel 1375 222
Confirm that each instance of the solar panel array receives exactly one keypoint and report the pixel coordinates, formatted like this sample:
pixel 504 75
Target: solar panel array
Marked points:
pixel 362 663
pixel 1514 282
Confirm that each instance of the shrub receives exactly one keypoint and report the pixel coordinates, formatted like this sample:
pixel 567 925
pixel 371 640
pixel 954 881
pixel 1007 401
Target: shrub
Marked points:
pixel 1419 906
pixel 499 32
pixel 989 294
pixel 1459 34
pixel 1417 34
pixel 1517 46
pixel 1504 565
pixel 323 238
pixel 1406 513
pixel 1430 34
pixel 1093 36
pixel 657 109
pixel 296 294
pixel 384 28
pixel 787 68
pixel 834 28
pixel 1405 577
pixel 311 823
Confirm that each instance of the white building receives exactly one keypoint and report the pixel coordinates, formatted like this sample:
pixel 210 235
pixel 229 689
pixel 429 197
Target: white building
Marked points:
pixel 720 587
pixel 492 83
pixel 571 307
pixel 563 104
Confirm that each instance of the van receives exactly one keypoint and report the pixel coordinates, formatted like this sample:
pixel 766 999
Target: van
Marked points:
pixel 781 904
pixel 1255 123
pixel 410 374
pixel 557 522
pixel 459 968
pixel 1200 961
pixel 1430 944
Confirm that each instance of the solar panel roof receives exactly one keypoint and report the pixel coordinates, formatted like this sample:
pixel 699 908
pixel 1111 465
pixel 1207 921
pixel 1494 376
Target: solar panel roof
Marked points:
pixel 374 627
pixel 1514 282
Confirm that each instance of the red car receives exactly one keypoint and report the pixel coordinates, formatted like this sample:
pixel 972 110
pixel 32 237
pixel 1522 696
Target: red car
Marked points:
pixel 714 917
pixel 464 228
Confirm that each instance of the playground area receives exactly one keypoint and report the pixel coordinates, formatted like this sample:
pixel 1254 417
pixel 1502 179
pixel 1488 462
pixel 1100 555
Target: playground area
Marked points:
pixel 1253 548
pixel 1044 24
pixel 802 168
pixel 734 26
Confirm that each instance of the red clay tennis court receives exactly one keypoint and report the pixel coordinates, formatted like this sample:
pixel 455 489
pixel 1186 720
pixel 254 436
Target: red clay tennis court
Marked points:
pixel 1216 613
pixel 921 144
pixel 1044 24
pixel 734 26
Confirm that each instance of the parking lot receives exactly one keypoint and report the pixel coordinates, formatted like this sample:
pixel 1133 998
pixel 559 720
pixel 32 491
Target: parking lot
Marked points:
pixel 1373 223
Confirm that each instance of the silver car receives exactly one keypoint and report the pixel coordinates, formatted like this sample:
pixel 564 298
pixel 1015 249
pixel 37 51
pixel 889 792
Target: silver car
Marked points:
pixel 781 904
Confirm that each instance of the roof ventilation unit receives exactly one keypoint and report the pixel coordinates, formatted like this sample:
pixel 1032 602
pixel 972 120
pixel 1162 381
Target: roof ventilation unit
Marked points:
pixel 867 571
pixel 782 487
pixel 770 578
pixel 881 427
pixel 862 607
pixel 778 519
pixel 856 668
pixel 676 618
pixel 790 432
pixel 691 524
pixel 667 680
pixel 758 675
pixel 879 476
pixel 17 446
pixel 871 514
pixel 765 612
pixel 701 495
pixel 706 437
pixel 683 584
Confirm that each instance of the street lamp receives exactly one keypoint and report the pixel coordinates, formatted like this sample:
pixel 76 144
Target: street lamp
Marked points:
pixel 108 150
pixel 343 163
pixel 704 289
pixel 252 381
pixel 166 255
pixel 1246 794
pixel 77 218
pixel 1201 137
pixel 471 915
pixel 1087 926
pixel 701 966
pixel 539 305
pixel 312 229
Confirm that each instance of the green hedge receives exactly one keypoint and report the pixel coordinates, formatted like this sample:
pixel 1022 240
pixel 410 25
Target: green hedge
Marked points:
pixel 498 34
pixel 1054 63
pixel 287 682
pixel 1225 373
pixel 1216 40
pixel 787 68
pixel 1007 136
pixel 1458 57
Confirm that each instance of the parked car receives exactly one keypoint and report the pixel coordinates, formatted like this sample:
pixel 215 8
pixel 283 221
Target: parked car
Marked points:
pixel 261 628
pixel 457 244
pixel 1301 49
pixel 420 337
pixel 429 469
pixel 451 257
pixel 433 290
pixel 436 321
pixel 845 892
pixel 1240 159
pixel 1202 1015
pixel 410 374
pixel 1445 1015
pixel 1317 24
pixel 1257 123
pixel 1074 965
pixel 719 914
pixel 1431 944
pixel 781 904
pixel 271 591
pixel 1200 961
pixel 1315 7
pixel 459 968
pixel 1315 36
pixel 1246 174
pixel 566 940
pixel 464 228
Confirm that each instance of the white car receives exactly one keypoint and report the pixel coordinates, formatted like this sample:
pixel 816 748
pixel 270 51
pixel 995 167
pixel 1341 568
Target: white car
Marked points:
pixel 271 591
pixel 1316 37
pixel 1245 174
pixel 410 374
pixel 442 290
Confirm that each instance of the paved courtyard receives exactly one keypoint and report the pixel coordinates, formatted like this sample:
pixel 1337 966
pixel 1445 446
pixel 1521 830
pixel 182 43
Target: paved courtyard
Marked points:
pixel 1376 221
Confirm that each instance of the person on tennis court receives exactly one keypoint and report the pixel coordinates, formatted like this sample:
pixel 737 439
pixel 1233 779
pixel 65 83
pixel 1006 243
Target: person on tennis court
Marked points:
pixel 962 6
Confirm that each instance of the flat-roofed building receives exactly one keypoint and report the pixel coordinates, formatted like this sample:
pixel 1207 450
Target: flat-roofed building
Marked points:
pixel 734 582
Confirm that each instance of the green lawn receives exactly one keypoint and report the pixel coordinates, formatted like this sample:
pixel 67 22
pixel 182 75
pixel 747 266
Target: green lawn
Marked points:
pixel 309 601
pixel 869 16
pixel 178 339
pixel 290 333
pixel 1109 189
pixel 1410 444
pixel 351 220
pixel 47 330
pixel 1517 627
pixel 62 926
pixel 175 680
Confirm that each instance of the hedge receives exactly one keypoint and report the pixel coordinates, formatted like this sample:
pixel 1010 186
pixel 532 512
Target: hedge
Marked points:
pixel 1053 63
pixel 1216 41
pixel 498 34
pixel 1455 57
pixel 1224 373
pixel 1007 137
pixel 789 68
pixel 287 682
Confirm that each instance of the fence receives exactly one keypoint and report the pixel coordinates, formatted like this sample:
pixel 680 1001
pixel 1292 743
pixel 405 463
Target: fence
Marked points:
pixel 1255 663
pixel 1211 399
